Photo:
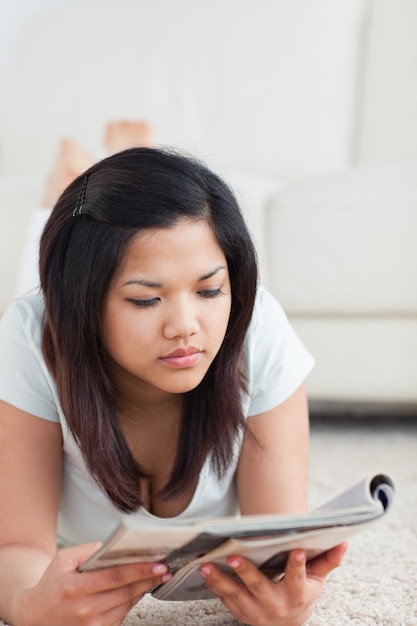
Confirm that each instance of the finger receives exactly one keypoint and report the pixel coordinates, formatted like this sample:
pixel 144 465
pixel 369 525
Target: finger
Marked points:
pixel 123 598
pixel 321 566
pixel 147 574
pixel 113 605
pixel 251 597
pixel 72 558
pixel 254 580
pixel 106 610
pixel 295 578
pixel 228 589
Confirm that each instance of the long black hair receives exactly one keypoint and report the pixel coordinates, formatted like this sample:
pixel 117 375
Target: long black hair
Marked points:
pixel 81 252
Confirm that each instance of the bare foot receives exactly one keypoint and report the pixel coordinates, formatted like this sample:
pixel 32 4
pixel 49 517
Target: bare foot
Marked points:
pixel 71 161
pixel 125 134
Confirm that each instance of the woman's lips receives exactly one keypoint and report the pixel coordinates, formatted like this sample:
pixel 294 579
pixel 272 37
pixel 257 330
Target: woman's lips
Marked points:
pixel 183 357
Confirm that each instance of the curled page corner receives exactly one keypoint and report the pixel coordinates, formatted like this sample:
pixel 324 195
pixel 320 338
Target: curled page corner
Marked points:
pixel 382 489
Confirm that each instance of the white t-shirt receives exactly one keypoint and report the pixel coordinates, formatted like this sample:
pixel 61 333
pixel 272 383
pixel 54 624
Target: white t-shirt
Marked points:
pixel 276 364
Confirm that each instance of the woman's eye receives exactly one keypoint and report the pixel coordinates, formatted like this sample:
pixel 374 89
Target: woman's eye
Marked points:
pixel 210 293
pixel 144 304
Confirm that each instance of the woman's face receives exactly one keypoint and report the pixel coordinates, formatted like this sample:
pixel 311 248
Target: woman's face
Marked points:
pixel 166 314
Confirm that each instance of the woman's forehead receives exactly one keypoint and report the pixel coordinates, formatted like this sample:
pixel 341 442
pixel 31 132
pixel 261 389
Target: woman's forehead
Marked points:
pixel 188 245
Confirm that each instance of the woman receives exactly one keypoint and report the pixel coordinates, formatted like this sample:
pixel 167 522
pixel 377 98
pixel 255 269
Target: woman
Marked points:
pixel 151 377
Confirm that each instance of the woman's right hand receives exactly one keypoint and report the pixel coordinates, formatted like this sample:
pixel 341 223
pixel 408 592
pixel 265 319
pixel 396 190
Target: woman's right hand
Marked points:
pixel 65 597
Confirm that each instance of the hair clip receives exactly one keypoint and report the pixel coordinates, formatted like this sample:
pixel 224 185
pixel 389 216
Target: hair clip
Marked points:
pixel 80 202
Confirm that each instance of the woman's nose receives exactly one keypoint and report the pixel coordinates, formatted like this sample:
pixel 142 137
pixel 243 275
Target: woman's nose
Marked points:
pixel 182 320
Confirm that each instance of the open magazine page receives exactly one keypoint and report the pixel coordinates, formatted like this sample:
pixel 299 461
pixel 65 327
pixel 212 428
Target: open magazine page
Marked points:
pixel 270 553
pixel 373 490
pixel 264 539
pixel 144 544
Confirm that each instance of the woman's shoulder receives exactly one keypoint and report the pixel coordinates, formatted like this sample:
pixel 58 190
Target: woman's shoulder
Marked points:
pixel 24 317
pixel 25 381
pixel 266 310
pixel 270 331
pixel 28 306
pixel 276 361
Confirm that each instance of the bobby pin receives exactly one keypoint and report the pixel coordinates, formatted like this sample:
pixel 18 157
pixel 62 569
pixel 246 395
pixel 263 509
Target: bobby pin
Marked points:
pixel 81 198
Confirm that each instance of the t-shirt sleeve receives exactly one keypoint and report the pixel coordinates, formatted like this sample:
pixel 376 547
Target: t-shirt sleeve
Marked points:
pixel 277 361
pixel 25 381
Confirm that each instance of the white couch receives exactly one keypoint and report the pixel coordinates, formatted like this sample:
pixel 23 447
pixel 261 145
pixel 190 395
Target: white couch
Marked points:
pixel 307 107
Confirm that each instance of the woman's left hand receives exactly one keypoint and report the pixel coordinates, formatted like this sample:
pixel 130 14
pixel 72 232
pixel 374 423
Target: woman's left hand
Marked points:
pixel 258 601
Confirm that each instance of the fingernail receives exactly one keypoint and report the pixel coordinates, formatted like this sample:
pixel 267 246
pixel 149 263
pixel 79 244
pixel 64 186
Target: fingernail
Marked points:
pixel 166 577
pixel 234 563
pixel 205 571
pixel 159 568
pixel 299 556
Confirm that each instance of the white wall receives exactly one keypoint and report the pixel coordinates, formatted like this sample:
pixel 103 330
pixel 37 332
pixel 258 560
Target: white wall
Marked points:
pixel 13 15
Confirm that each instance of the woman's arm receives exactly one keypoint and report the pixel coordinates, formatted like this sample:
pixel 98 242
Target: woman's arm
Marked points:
pixel 272 478
pixel 272 473
pixel 38 586
pixel 30 474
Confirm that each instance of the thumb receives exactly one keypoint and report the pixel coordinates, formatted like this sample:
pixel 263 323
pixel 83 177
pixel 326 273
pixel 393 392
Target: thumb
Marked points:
pixel 72 558
pixel 324 564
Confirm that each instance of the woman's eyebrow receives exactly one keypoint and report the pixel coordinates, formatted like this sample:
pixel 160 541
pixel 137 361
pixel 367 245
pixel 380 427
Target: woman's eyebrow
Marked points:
pixel 143 282
pixel 212 273
pixel 154 285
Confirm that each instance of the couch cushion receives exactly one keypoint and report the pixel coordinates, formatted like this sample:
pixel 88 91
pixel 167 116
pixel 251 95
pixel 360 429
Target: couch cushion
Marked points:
pixel 363 359
pixel 253 194
pixel 268 86
pixel 346 244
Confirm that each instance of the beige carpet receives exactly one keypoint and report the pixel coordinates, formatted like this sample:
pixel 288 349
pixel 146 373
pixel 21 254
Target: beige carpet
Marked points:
pixel 377 584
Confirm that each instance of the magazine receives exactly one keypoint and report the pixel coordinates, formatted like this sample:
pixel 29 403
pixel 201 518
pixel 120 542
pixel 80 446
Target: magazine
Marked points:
pixel 266 540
